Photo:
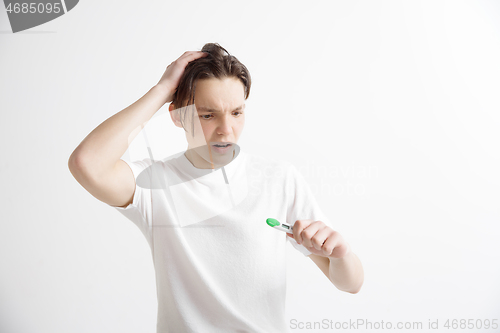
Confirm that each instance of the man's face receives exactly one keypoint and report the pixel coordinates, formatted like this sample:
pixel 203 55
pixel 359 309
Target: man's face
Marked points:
pixel 218 118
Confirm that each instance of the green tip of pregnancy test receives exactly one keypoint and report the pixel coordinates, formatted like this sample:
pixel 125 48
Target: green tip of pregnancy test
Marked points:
pixel 272 222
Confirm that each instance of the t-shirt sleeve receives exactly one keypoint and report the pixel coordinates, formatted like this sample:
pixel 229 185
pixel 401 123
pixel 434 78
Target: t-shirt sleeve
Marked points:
pixel 301 205
pixel 140 210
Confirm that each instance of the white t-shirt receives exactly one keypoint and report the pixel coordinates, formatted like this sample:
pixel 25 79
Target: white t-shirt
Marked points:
pixel 219 266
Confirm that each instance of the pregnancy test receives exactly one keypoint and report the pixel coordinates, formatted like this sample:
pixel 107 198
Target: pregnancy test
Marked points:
pixel 280 226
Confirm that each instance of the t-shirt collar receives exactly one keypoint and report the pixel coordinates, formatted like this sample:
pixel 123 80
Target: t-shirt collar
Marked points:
pixel 229 168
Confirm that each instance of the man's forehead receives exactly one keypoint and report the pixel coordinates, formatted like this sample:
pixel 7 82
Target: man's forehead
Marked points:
pixel 206 108
pixel 219 94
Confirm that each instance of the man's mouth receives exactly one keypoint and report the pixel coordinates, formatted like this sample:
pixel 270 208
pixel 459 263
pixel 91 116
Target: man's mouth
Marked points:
pixel 221 145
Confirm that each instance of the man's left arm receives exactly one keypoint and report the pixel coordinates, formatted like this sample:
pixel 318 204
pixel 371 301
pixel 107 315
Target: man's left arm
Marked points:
pixel 331 253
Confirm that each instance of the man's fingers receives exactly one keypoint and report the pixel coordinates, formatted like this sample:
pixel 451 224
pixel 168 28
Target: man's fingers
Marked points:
pixel 308 233
pixel 319 239
pixel 191 55
pixel 331 242
pixel 298 226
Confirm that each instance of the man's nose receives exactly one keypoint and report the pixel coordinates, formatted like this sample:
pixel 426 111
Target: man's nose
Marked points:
pixel 225 125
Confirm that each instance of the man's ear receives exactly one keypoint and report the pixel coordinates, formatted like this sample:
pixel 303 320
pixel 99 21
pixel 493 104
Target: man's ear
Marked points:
pixel 174 114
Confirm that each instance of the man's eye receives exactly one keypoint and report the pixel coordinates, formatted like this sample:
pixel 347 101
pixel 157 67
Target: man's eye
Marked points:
pixel 238 112
pixel 206 115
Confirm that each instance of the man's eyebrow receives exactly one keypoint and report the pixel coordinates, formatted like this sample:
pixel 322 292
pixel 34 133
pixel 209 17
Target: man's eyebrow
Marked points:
pixel 207 109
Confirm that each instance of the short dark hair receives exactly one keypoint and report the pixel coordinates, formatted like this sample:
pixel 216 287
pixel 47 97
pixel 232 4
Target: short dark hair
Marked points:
pixel 218 64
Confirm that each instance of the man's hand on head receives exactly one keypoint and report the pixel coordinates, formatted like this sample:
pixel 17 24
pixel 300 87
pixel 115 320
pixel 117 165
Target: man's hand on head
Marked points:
pixel 319 239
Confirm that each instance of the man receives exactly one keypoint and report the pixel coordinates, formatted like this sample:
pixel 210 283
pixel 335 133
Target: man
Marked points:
pixel 219 267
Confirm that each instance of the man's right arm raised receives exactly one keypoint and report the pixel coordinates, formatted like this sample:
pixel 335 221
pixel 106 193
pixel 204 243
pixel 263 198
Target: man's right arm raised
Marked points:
pixel 96 163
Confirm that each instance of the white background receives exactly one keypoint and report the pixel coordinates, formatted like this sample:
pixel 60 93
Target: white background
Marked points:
pixel 397 100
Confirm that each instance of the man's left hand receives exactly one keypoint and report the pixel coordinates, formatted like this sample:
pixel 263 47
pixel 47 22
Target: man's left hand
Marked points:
pixel 319 238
